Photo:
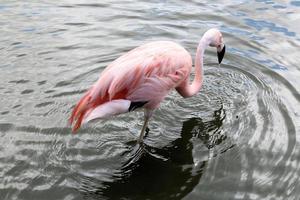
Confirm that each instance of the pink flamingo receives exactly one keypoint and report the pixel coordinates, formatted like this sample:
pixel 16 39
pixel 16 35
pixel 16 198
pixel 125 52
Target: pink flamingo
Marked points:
pixel 143 77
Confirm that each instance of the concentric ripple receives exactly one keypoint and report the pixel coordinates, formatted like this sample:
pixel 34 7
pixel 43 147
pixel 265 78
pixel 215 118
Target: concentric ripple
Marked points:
pixel 236 139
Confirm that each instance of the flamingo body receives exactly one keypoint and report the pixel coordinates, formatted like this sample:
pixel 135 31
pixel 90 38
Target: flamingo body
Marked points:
pixel 145 74
pixel 141 78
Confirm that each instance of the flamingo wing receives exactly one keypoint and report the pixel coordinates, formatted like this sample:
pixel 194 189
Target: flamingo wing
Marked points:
pixel 144 75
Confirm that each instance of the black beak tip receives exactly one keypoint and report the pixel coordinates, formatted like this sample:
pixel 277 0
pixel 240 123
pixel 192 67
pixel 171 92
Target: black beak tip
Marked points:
pixel 221 55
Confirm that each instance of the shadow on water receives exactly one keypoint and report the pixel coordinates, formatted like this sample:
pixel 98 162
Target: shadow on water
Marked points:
pixel 160 173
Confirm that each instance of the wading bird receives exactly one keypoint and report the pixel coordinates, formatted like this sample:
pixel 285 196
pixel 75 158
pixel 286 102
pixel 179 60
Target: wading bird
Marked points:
pixel 142 78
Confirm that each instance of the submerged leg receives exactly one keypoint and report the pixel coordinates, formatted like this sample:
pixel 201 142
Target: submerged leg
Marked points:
pixel 147 115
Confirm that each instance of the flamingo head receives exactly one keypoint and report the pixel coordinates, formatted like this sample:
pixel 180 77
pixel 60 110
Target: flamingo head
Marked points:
pixel 215 38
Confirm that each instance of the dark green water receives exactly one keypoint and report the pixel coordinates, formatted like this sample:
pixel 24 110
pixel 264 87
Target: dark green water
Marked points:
pixel 237 139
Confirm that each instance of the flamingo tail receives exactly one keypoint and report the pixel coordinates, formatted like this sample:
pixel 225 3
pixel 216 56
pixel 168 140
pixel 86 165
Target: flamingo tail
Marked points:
pixel 87 110
pixel 108 109
pixel 79 111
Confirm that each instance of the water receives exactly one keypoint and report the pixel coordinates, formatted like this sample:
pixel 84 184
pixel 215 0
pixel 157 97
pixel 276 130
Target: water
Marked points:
pixel 237 139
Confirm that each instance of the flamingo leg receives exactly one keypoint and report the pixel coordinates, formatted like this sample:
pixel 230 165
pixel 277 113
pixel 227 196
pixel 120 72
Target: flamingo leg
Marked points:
pixel 148 114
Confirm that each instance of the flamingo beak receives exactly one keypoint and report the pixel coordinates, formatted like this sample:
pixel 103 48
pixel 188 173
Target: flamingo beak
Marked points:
pixel 221 53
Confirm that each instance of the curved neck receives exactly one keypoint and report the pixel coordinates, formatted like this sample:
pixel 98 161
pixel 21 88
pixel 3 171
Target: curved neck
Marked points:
pixel 191 89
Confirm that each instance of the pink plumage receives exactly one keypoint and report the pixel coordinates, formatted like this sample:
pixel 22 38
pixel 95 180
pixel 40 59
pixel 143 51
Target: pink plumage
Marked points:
pixel 143 77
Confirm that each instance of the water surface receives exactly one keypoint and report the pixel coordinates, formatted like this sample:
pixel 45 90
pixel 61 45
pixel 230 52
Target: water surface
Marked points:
pixel 237 139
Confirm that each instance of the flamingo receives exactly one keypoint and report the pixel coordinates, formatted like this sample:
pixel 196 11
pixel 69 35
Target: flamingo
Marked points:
pixel 142 78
